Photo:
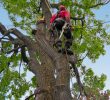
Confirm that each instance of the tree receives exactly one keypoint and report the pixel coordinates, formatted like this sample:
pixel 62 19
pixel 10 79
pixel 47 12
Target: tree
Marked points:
pixel 51 69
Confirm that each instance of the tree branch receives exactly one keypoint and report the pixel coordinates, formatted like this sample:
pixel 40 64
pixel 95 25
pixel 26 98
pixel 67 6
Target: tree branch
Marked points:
pixel 78 80
pixel 18 34
pixel 14 49
pixel 14 31
pixel 100 4
pixel 56 5
pixel 3 30
pixel 23 55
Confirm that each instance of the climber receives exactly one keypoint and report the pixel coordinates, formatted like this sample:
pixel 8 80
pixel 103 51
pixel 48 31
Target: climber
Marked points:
pixel 58 21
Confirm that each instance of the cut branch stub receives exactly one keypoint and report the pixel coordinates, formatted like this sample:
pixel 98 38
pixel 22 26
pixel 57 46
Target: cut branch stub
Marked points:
pixel 41 24
pixel 46 11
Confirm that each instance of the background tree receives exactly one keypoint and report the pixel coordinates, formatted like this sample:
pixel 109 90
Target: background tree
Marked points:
pixel 34 53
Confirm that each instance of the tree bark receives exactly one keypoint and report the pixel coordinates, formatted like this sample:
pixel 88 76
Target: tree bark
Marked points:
pixel 58 88
pixel 51 62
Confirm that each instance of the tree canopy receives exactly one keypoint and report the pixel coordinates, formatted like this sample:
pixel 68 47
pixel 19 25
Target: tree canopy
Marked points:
pixel 89 41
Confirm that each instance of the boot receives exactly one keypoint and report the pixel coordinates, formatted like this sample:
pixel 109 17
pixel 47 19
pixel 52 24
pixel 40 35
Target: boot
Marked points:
pixel 69 51
pixel 58 45
pixel 67 48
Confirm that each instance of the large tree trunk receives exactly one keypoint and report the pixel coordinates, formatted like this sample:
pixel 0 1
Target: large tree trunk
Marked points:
pixel 53 74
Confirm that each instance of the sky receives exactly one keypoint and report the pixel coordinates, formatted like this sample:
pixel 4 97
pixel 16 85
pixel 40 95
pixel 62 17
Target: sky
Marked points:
pixel 102 65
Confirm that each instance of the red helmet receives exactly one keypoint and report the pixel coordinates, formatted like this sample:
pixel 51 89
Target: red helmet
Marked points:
pixel 61 7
